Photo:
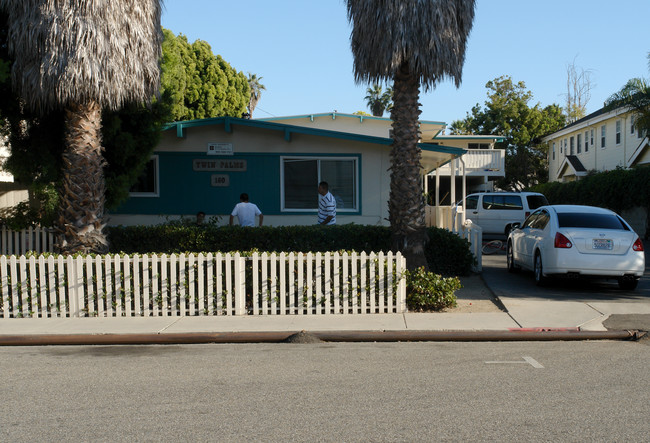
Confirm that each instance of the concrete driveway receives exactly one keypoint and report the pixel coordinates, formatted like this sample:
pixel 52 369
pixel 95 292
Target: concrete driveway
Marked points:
pixel 587 304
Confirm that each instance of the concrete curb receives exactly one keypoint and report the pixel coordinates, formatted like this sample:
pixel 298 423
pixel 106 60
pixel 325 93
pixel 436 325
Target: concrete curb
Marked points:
pixel 327 336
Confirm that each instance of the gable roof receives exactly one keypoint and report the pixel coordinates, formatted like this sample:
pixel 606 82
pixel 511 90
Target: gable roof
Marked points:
pixel 645 144
pixel 433 156
pixel 571 162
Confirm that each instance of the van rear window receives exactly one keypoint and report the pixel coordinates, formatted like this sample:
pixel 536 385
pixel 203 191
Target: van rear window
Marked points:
pixel 594 221
pixel 508 202
pixel 535 201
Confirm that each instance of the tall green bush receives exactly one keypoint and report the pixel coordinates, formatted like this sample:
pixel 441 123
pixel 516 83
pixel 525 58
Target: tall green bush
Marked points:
pixel 447 254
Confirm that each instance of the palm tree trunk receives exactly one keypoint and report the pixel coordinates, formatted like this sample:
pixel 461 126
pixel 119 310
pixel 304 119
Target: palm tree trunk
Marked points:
pixel 81 208
pixel 406 205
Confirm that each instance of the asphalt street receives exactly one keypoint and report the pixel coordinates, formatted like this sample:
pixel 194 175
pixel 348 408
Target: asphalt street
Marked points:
pixel 327 392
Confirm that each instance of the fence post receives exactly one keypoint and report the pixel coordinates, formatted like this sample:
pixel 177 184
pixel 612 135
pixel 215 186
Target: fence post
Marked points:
pixel 72 287
pixel 240 284
pixel 401 288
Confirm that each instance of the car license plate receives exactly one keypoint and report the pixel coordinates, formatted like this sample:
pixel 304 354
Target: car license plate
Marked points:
pixel 600 243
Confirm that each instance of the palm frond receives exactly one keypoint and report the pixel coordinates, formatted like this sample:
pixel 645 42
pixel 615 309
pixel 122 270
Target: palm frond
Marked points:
pixel 70 51
pixel 429 36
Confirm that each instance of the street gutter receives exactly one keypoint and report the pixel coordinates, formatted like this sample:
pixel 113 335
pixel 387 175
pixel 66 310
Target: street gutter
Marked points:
pixel 325 336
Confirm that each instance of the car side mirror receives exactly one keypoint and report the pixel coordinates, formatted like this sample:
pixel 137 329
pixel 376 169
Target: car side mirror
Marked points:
pixel 515 225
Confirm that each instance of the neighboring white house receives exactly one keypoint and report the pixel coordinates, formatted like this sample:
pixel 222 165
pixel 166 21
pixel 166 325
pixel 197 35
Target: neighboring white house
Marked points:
pixel 601 141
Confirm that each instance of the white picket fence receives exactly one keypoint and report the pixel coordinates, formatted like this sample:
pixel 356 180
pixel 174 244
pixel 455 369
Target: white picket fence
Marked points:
pixel 35 239
pixel 192 285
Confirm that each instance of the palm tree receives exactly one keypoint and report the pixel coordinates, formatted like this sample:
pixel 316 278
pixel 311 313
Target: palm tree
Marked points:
pixel 379 101
pixel 635 95
pixel 82 56
pixel 256 92
pixel 410 42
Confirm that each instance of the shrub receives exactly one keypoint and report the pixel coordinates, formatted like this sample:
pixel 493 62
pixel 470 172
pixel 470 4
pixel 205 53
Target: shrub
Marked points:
pixel 426 291
pixel 446 253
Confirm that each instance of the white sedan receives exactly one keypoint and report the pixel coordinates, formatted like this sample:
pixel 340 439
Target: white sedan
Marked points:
pixel 577 241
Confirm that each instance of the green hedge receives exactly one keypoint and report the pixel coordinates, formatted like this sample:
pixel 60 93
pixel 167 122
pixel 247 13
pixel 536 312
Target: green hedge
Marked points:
pixel 446 253
pixel 617 190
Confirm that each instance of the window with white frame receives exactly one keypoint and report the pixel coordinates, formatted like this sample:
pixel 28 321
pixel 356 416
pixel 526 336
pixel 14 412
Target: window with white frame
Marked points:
pixel 301 175
pixel 553 151
pixel 579 143
pixel 148 182
pixel 632 124
pixel 603 135
pixel 572 145
pixel 591 136
pixel 618 132
pixel 586 141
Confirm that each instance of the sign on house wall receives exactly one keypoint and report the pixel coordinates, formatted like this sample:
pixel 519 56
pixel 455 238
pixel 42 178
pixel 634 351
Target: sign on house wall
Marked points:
pixel 219 165
pixel 220 149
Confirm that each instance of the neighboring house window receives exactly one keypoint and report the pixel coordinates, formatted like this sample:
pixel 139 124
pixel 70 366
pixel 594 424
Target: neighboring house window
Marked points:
pixel 603 134
pixel 618 132
pixel 553 151
pixel 591 141
pixel 478 146
pixel 632 124
pixel 586 141
pixel 301 175
pixel 148 183
pixel 572 145
pixel 579 145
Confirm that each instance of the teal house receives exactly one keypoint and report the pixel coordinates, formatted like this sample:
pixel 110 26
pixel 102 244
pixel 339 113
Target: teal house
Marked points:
pixel 204 165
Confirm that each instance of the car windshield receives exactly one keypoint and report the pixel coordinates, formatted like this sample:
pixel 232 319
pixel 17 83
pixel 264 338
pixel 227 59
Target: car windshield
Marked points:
pixel 585 220
pixel 535 201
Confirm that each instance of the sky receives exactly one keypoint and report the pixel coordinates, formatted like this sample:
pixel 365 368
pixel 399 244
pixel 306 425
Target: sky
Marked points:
pixel 301 49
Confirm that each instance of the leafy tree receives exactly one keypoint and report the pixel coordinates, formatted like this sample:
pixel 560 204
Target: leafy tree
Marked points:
pixel 256 89
pixel 111 60
pixel 378 100
pixel 410 42
pixel 200 84
pixel 635 95
pixel 507 113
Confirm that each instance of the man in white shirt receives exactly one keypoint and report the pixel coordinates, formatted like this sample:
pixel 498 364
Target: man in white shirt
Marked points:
pixel 326 205
pixel 246 212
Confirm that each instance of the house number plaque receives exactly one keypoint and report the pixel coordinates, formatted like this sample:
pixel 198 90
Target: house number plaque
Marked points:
pixel 220 180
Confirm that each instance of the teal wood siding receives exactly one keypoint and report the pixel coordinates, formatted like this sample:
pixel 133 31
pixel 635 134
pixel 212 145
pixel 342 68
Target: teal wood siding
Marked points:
pixel 185 191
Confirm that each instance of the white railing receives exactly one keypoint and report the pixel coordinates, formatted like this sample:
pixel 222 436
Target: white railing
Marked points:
pixel 37 239
pixel 484 162
pixel 193 285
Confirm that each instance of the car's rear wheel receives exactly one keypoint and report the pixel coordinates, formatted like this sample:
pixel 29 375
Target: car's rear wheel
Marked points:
pixel 540 279
pixel 628 283
pixel 510 259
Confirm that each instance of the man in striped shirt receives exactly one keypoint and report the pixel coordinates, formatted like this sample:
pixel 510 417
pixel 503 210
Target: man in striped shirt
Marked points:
pixel 326 205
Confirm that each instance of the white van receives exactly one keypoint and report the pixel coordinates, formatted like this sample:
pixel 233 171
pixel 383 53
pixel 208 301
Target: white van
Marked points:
pixel 495 212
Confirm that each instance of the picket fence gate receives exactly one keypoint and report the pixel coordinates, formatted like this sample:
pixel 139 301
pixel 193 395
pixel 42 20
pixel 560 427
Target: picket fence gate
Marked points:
pixel 203 284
